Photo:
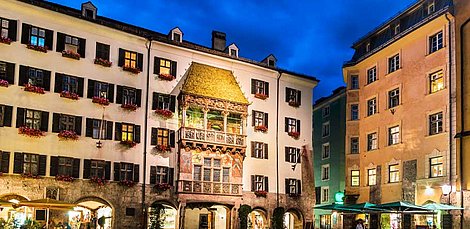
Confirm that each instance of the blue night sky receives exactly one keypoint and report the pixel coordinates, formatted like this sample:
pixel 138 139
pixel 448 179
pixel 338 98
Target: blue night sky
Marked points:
pixel 307 36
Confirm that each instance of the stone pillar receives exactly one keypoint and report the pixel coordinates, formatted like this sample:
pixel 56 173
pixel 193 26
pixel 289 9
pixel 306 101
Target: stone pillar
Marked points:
pixel 205 110
pixel 244 123
pixel 183 116
pixel 225 114
pixel 181 212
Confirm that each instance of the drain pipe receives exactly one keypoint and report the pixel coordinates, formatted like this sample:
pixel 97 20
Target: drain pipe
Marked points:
pixel 277 139
pixel 450 101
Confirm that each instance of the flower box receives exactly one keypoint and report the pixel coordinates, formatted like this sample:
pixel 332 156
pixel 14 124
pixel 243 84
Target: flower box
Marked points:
pixel 163 148
pixel 5 40
pixel 131 69
pixel 294 195
pixel 65 178
pixel 103 62
pixel 261 193
pixel 261 128
pixel 129 144
pixel 294 104
pixel 129 107
pixel 37 48
pixel 69 95
pixel 294 134
pixel 261 96
pixel 127 183
pixel 35 89
pixel 164 113
pixel 101 101
pixel 71 54
pixel 68 135
pixel 4 83
pixel 30 132
pixel 98 181
pixel 167 77
pixel 30 175
pixel 161 187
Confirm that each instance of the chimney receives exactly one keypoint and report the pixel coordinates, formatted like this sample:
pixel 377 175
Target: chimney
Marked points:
pixel 218 41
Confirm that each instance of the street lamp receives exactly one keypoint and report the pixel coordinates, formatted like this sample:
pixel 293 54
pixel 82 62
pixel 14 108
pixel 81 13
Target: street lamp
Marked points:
pixel 446 189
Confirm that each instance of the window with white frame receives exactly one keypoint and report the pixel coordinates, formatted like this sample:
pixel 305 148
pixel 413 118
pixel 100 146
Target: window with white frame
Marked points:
pixel 393 173
pixel 71 43
pixel 67 122
pixel 354 145
pixel 394 135
pixel 354 82
pixel 435 123
pixel 260 183
pixel 37 36
pixel 30 163
pixel 65 166
pixel 436 81
pixel 4 26
pixel 393 63
pixel 325 151
pixel 354 112
pixel 126 171
pixel 99 129
pixel 325 129
pixel 436 42
pixel 355 178
pixel 325 172
pixel 292 154
pixel 371 75
pixel 33 119
pixel 372 141
pixel 129 96
pixel 436 166
pixel 130 59
pixel 371 106
pixel 36 77
pixel 97 168
pixel 101 90
pixel 259 150
pixel 372 177
pixel 394 98
pixel 325 194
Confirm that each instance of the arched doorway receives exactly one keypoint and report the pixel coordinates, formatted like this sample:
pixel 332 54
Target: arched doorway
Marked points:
pixel 9 213
pixel 293 219
pixel 257 219
pixel 162 215
pixel 206 216
pixel 93 211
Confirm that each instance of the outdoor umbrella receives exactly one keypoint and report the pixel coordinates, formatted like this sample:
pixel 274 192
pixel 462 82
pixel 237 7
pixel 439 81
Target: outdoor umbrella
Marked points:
pixel 401 206
pixel 437 206
pixel 336 207
pixel 366 207
pixel 48 204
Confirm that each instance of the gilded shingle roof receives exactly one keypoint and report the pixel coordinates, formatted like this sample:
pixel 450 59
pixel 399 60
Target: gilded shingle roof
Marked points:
pixel 212 82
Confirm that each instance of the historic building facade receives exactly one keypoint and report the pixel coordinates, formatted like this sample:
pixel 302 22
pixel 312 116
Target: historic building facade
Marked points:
pixel 400 114
pixel 124 121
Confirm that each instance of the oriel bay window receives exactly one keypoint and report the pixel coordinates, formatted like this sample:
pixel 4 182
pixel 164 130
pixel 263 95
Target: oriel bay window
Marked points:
pixel 211 170
pixel 436 167
pixel 5 115
pixel 164 102
pixel 164 66
pixel 259 88
pixel 32 35
pixel 27 163
pixel 293 186
pixel 7 72
pixel 35 77
pixel 234 123
pixel 194 118
pixel 162 137
pixel 161 175
pixel 128 96
pixel 63 122
pixel 127 132
pixel 96 168
pixel 33 119
pixel 259 150
pixel 292 155
pixel 126 172
pixel 101 90
pixel 65 166
pixel 68 83
pixel 259 183
pixel 99 129
pixel 130 59
pixel 8 29
pixel 70 43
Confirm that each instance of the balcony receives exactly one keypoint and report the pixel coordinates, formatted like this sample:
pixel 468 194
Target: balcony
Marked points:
pixel 209 188
pixel 211 136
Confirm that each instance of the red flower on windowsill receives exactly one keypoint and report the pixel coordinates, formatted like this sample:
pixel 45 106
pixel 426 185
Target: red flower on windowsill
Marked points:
pixel 261 193
pixel 71 54
pixel 103 62
pixel 131 69
pixel 129 107
pixel 127 183
pixel 164 113
pixel 263 129
pixel 98 180
pixel 5 40
pixel 35 89
pixel 65 178
pixel 294 104
pixel 68 135
pixel 163 148
pixel 128 143
pixel 69 95
pixel 162 187
pixel 294 195
pixel 167 77
pixel 101 101
pixel 30 175
pixel 261 96
pixel 4 83
pixel 30 132
pixel 294 134
pixel 37 48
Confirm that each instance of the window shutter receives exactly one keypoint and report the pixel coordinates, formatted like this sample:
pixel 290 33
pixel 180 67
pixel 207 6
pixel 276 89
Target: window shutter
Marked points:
pixel 253 115
pixel 287 94
pixel 119 94
pixel 266 151
pixel 58 88
pixel 286 155
pixel 89 127
pixel 266 120
pixel 23 79
pixel 253 184
pixel 136 173
pixel 286 184
pixel 5 165
pixel 154 100
pixel 138 97
pixel 44 121
pixel 18 163
pixel 47 80
pixel 286 124
pixel 107 170
pixel 156 65
pixel 172 103
pixel 26 28
pixel 173 68
pixel 55 123
pixel 80 86
pixel 253 86
pixel 91 89
pixel 266 184
pixel 253 144
pixel 118 132
pixel 121 57
pixel 299 186
pixel 7 116
pixel 297 126
pixel 171 176
pixel 299 97
pixel 76 168
pixel 153 136
pixel 42 165
pixel 19 117
pixel 54 166
pixel 318 195
pixel 299 157
pixel 60 45
pixel 111 93
pixel 12 28
pixel 81 47
pixel 153 174
pixel 266 86
pixel 86 169
pixel 10 77
pixel 172 139
pixel 140 61
pixel 117 171
pixel 109 130
pixel 137 133
pixel 78 125
pixel 49 39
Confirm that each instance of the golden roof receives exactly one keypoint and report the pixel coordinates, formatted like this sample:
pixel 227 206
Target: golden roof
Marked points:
pixel 212 82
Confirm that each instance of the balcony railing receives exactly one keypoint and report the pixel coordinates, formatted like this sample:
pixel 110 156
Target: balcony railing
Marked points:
pixel 211 136
pixel 210 188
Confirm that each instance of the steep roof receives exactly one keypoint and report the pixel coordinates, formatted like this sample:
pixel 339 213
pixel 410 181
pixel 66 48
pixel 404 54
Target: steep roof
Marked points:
pixel 213 82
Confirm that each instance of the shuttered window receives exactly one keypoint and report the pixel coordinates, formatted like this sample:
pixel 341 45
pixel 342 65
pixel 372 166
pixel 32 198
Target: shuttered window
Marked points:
pixel 33 35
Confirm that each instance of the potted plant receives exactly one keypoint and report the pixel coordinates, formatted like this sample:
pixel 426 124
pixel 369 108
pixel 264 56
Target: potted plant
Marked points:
pixel 294 103
pixel 161 187
pixel 131 69
pixel 129 107
pixel 294 195
pixel 69 95
pixel 103 62
pixel 164 113
pixel 261 96
pixel 37 48
pixel 65 178
pixel 5 40
pixel 30 132
pixel 294 134
pixel 30 175
pixel 71 54
pixel 163 148
pixel 4 83
pixel 128 143
pixel 68 135
pixel 261 193
pixel 127 183
pixel 35 89
pixel 262 128
pixel 167 77
pixel 98 181
pixel 100 100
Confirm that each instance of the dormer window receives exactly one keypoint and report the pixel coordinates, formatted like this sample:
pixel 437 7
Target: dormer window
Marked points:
pixel 271 63
pixel 232 50
pixel 233 53
pixel 270 60
pixel 431 7
pixel 396 29
pixel 368 47
pixel 176 35
pixel 89 10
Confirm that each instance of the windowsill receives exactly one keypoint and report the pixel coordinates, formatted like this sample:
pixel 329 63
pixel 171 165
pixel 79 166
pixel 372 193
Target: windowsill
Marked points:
pixel 391 73
pixel 325 158
pixel 370 83
pixel 434 135
pixel 368 116
pixel 325 180
pixel 354 154
pixel 436 92
pixel 354 120
pixel 372 150
pixel 437 51
pixel 353 89
pixel 394 145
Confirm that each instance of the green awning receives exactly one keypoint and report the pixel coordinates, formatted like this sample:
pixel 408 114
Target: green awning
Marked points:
pixel 437 206
pixel 401 206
